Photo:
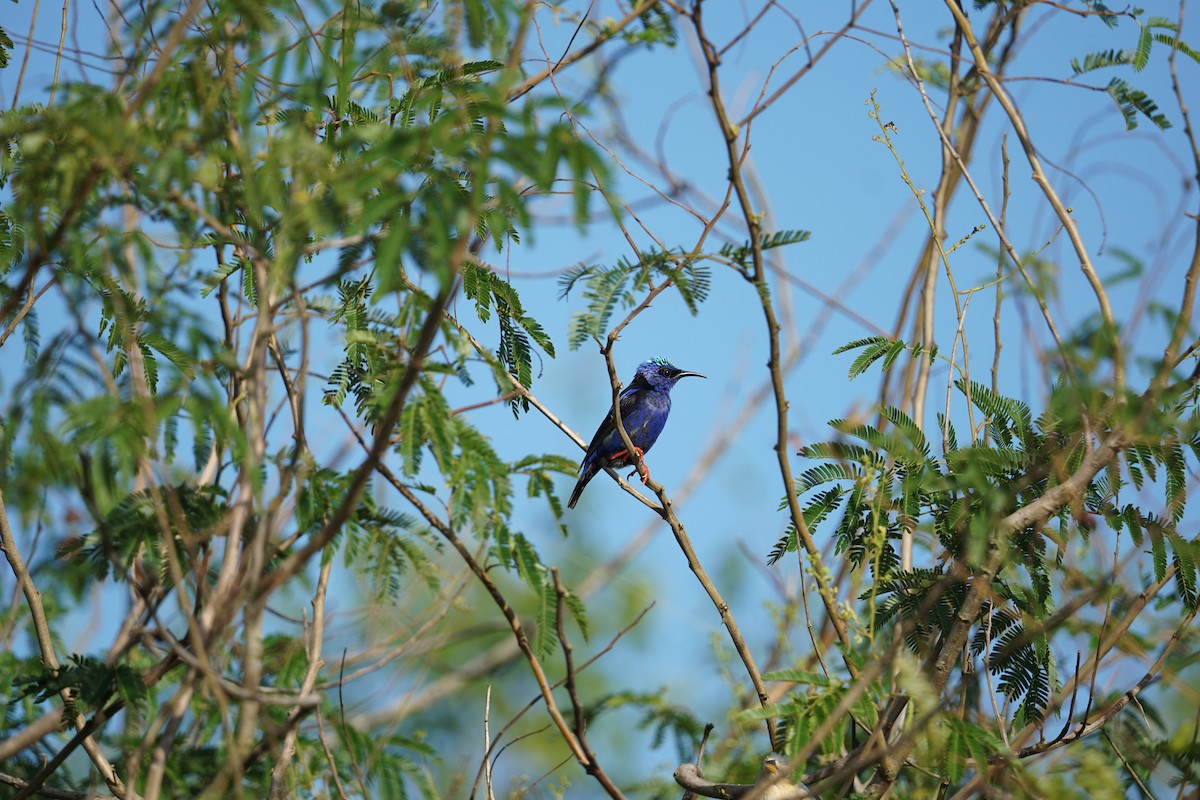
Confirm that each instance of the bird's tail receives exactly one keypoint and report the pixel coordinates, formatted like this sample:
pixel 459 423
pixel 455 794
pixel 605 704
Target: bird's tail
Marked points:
pixel 589 472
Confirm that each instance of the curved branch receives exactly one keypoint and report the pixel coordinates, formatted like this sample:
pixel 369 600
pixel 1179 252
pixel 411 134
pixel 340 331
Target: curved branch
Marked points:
pixel 41 626
pixel 577 747
pixel 758 277
pixel 1043 182
pixel 667 512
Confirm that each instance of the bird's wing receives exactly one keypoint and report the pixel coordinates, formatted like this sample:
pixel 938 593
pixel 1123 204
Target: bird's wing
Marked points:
pixel 608 427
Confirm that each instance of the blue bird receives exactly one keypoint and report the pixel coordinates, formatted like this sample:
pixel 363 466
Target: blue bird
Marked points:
pixel 645 404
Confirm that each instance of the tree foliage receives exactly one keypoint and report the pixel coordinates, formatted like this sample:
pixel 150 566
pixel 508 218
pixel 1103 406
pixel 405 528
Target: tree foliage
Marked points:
pixel 265 285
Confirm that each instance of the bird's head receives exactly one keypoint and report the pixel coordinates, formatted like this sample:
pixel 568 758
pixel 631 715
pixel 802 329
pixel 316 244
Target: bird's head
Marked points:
pixel 777 786
pixel 662 374
pixel 771 764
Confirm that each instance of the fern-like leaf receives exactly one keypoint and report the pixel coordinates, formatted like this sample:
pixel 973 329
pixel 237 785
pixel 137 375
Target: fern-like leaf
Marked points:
pixel 1133 102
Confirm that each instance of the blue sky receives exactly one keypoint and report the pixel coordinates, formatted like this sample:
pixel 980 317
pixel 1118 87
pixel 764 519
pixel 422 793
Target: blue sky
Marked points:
pixel 819 169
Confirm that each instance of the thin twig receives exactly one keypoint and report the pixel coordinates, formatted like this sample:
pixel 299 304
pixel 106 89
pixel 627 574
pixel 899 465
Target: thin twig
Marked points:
pixel 667 512
pixel 758 276
pixel 514 623
pixel 984 70
pixel 316 637
pixel 42 633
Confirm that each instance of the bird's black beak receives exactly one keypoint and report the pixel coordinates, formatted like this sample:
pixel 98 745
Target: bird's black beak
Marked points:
pixel 691 374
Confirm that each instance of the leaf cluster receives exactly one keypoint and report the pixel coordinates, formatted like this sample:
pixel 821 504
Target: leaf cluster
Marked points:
pixel 88 681
pixel 609 288
pixel 233 224
pixel 1133 102
pixel 880 481
pixel 739 255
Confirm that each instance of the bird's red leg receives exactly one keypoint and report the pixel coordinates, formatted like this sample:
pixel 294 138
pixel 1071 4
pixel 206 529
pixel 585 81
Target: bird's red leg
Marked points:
pixel 645 466
pixel 645 471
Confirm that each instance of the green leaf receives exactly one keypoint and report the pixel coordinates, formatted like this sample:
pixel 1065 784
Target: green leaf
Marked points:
pixel 740 254
pixel 546 632
pixel 1158 550
pixel 1101 60
pixel 149 368
pixel 1141 52
pixel 896 447
pixel 827 473
pixel 171 351
pixel 1184 558
pixel 1134 102
pixel 1176 480
pixel 1174 42
pixel 814 512
pixel 803 677
pixel 528 565
pixel 218 277
pixel 579 614
pixel 6 47
pixel 874 348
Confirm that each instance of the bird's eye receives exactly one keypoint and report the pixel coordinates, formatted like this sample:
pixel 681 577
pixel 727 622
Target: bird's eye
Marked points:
pixel 666 373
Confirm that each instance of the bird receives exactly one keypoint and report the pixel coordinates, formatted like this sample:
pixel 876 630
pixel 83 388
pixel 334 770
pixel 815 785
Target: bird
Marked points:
pixel 645 404
pixel 781 789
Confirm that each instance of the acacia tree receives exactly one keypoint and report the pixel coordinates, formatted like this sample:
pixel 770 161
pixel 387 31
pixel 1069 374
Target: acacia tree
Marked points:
pixel 276 221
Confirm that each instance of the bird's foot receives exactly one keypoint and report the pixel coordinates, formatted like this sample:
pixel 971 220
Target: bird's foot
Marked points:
pixel 644 471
